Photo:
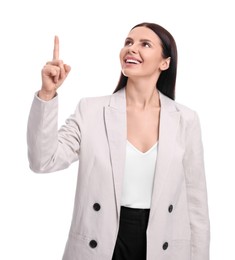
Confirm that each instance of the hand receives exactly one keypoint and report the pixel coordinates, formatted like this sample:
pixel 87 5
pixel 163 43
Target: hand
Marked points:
pixel 53 74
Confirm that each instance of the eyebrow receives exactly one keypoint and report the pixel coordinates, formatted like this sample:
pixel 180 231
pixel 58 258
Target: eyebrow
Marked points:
pixel 142 40
pixel 145 40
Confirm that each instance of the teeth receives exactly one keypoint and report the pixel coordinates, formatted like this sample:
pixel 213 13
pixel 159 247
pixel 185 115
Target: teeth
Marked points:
pixel 132 61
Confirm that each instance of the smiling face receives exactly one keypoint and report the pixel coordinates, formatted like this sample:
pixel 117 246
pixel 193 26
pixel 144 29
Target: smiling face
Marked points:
pixel 141 55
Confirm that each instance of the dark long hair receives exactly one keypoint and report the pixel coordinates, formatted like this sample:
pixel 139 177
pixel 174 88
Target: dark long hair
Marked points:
pixel 167 79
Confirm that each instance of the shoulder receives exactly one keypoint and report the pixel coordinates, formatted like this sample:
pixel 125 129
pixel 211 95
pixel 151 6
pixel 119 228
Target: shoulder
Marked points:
pixel 95 101
pixel 116 100
pixel 185 111
pixel 187 114
pixel 92 104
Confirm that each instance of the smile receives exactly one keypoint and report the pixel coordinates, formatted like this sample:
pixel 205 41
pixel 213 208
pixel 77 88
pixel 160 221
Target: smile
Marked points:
pixel 131 60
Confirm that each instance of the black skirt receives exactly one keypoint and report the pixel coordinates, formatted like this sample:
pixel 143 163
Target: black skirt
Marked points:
pixel 131 240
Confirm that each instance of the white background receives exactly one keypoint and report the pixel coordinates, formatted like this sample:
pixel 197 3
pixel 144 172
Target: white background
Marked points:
pixel 36 210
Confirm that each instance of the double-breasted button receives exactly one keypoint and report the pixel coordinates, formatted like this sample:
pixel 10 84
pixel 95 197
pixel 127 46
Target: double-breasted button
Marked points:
pixel 165 246
pixel 170 208
pixel 93 244
pixel 96 206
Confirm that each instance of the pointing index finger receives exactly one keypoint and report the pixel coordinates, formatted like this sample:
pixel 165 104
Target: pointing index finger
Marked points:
pixel 56 48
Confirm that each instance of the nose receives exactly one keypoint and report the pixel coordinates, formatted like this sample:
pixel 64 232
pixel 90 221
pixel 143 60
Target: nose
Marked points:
pixel 133 48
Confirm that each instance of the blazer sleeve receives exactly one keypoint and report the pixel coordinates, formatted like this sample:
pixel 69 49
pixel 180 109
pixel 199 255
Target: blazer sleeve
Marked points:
pixel 50 149
pixel 197 192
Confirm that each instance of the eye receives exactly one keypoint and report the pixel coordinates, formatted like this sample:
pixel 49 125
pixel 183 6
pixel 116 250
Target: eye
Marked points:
pixel 128 43
pixel 146 44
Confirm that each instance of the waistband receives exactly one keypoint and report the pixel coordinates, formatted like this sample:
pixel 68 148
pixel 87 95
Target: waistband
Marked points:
pixel 134 213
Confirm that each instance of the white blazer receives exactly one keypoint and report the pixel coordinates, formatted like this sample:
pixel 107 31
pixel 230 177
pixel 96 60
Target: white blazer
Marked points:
pixel 96 135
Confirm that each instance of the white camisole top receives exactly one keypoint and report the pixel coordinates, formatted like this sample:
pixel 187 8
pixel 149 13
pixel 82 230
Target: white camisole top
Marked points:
pixel 138 177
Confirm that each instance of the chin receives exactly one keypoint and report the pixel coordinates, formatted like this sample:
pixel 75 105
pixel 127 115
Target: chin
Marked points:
pixel 128 73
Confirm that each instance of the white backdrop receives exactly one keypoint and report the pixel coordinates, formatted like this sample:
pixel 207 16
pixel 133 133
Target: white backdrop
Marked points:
pixel 36 210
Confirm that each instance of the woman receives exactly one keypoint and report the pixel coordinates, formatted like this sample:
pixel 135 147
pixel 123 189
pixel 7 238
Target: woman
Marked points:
pixel 141 188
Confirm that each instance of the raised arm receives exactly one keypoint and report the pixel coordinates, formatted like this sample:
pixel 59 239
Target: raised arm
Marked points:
pixel 50 149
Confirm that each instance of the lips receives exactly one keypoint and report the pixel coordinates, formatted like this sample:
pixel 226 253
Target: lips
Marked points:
pixel 132 60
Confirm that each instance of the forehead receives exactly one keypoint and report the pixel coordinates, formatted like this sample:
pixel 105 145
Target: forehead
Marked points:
pixel 144 33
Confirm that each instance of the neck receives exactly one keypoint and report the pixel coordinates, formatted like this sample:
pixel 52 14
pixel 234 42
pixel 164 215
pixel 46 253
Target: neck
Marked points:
pixel 142 96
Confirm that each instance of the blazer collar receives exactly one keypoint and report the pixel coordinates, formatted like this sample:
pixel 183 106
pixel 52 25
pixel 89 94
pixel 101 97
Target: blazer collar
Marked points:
pixel 118 101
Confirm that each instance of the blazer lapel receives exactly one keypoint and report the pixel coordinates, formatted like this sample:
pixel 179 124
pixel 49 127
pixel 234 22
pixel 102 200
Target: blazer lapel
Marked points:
pixel 115 121
pixel 169 122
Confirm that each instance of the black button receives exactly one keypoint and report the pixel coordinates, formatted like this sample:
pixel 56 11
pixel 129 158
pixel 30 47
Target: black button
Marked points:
pixel 93 244
pixel 165 246
pixel 96 207
pixel 170 208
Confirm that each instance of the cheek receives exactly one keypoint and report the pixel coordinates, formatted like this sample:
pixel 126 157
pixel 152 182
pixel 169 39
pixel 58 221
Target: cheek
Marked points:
pixel 121 55
pixel 154 60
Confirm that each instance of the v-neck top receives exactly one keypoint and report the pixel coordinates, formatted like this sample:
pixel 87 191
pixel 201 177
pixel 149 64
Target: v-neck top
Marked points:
pixel 138 176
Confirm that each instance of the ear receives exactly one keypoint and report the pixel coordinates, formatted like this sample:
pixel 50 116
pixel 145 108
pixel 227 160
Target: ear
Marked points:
pixel 165 64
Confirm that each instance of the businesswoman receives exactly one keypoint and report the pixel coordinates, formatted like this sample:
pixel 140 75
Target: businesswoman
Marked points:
pixel 141 188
